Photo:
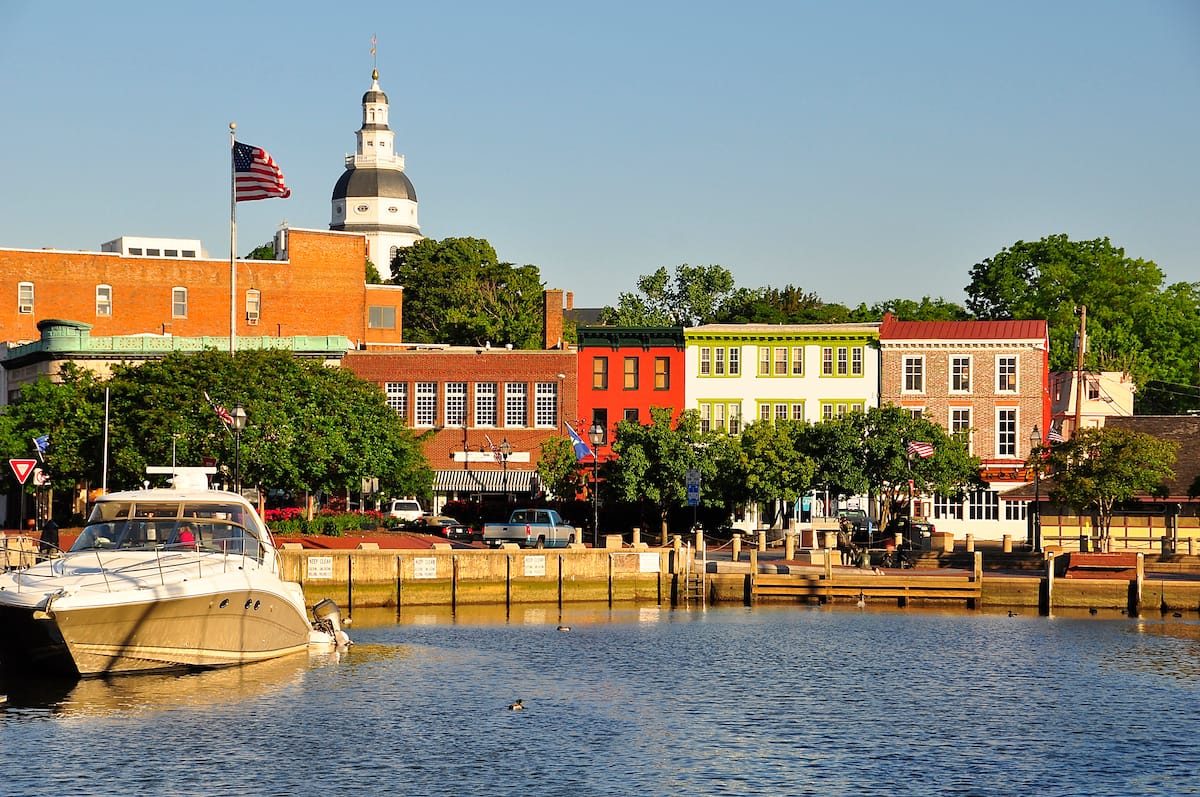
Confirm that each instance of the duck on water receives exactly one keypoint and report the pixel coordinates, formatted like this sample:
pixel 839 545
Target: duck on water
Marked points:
pixel 159 579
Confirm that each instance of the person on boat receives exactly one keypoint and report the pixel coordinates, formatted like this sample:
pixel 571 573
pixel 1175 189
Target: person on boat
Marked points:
pixel 186 537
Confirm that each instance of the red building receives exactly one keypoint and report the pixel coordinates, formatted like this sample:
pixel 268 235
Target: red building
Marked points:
pixel 623 372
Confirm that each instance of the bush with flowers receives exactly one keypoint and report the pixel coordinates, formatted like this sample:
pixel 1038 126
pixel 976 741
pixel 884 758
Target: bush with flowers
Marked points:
pixel 291 522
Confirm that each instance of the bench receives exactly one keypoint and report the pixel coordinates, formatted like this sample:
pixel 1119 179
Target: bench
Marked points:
pixel 1119 566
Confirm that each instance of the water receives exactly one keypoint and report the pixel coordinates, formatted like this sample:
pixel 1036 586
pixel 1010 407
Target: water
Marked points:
pixel 649 701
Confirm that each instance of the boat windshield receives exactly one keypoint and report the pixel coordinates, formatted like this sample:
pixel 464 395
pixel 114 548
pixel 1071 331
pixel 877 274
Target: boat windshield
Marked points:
pixel 219 527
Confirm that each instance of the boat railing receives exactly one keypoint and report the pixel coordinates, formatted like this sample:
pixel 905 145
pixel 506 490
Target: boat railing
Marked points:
pixel 234 552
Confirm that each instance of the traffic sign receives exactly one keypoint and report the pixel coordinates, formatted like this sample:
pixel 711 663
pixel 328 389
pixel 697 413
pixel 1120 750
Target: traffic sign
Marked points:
pixel 693 487
pixel 40 477
pixel 21 468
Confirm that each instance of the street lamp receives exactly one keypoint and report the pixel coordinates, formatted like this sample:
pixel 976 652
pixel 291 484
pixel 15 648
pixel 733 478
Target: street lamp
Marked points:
pixel 596 435
pixel 505 450
pixel 1035 524
pixel 239 423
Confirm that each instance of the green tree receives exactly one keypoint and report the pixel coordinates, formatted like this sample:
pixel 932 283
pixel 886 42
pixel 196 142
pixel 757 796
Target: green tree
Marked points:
pixel 692 296
pixel 309 427
pixel 372 274
pixel 653 460
pixel 262 252
pixel 456 291
pixel 1101 467
pixel 776 465
pixel 558 468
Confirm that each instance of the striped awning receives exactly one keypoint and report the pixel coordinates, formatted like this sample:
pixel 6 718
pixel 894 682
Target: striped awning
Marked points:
pixel 484 481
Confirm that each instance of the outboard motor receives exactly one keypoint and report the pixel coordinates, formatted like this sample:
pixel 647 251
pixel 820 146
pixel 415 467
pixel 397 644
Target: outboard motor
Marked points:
pixel 329 624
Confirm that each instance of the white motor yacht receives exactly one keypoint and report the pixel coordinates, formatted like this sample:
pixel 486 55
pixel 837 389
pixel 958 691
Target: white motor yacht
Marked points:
pixel 158 579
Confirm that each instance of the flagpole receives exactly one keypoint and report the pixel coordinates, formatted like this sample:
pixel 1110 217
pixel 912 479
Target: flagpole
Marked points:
pixel 232 242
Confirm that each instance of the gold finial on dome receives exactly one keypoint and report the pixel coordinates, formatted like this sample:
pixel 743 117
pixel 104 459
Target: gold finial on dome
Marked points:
pixel 375 74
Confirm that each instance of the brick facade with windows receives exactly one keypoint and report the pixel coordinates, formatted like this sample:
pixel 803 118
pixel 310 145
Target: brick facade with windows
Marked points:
pixel 623 372
pixel 319 289
pixel 468 397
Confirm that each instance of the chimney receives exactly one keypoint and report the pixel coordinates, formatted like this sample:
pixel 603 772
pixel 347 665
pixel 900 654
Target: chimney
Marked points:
pixel 552 328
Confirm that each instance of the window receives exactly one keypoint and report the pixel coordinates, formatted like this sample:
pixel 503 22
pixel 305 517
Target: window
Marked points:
pixel 25 298
pixel 662 373
pixel 826 411
pixel 456 404
pixel 631 414
pixel 1006 432
pixel 843 361
pixel 397 397
pixel 718 417
pixel 764 360
pixel 797 361
pixel 189 252
pixel 827 361
pixel 764 412
pixel 253 305
pixel 1093 389
pixel 946 508
pixel 960 424
pixel 516 412
pixel 170 253
pixel 735 361
pixel 426 404
pixel 781 412
pixel 715 416
pixel 631 373
pixel 916 412
pixel 719 361
pixel 135 250
pixel 104 300
pixel 798 412
pixel 705 418
pixel 381 317
pixel 960 374
pixel 153 253
pixel 179 303
pixel 735 418
pixel 600 417
pixel 705 361
pixel 983 505
pixel 856 361
pixel 914 375
pixel 545 404
pixel 599 373
pixel 781 360
pixel 1006 374
pixel 485 403
pixel 1015 510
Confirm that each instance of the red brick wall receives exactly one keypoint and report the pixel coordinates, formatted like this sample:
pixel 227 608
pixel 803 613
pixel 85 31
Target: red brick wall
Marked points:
pixel 320 291
pixel 471 365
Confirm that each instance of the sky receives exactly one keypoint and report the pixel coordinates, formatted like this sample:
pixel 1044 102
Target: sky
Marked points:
pixel 861 150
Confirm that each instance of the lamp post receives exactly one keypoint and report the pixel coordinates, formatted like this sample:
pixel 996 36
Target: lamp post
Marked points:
pixel 239 423
pixel 596 435
pixel 1035 523
pixel 505 450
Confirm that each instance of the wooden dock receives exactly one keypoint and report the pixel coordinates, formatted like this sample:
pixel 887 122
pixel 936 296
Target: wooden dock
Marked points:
pixel 854 583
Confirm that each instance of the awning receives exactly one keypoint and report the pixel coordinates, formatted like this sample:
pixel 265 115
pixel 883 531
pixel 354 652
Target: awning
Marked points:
pixel 484 481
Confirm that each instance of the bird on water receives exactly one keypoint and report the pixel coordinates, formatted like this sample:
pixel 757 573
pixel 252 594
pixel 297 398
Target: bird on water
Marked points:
pixel 517 706
pixel 564 628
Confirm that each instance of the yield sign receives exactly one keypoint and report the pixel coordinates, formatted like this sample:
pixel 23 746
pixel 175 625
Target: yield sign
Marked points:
pixel 22 468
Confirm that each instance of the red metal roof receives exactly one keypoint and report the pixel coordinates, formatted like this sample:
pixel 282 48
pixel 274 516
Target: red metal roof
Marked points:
pixel 893 329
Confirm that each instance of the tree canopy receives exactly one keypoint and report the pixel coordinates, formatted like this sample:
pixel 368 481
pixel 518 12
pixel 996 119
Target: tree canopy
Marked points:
pixel 457 291
pixel 310 427
pixel 1102 467
pixel 692 296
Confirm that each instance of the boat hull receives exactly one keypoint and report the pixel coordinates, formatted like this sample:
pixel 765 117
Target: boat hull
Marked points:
pixel 215 629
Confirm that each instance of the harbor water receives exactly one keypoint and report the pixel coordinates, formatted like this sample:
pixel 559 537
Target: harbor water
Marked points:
pixel 645 701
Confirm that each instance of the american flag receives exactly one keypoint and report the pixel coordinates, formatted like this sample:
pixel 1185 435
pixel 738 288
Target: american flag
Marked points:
pixel 494 447
pixel 922 450
pixel 255 175
pixel 1055 436
pixel 221 412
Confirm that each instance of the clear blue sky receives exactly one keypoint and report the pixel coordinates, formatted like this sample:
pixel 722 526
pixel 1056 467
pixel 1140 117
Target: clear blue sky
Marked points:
pixel 860 150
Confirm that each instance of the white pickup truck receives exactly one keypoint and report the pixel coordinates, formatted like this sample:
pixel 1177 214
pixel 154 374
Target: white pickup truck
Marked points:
pixel 532 528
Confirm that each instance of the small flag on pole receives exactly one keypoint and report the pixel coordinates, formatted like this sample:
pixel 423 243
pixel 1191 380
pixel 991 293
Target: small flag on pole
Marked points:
pixel 221 412
pixel 1055 436
pixel 41 444
pixel 922 450
pixel 255 175
pixel 494 447
pixel 582 449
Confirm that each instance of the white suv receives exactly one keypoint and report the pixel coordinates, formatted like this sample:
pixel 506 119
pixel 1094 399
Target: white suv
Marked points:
pixel 406 509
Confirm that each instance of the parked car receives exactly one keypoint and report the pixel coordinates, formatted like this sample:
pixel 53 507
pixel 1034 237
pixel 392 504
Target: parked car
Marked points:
pixel 406 509
pixel 917 533
pixel 448 527
pixel 863 530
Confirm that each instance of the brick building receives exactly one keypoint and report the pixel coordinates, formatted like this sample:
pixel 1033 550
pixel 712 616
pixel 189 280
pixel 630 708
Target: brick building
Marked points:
pixel 315 287
pixel 985 378
pixel 623 372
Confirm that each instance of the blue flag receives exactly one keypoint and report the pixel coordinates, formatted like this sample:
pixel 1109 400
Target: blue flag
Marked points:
pixel 582 449
pixel 40 443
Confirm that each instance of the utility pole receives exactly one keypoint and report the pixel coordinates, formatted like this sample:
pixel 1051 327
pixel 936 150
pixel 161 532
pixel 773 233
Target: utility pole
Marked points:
pixel 1079 350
